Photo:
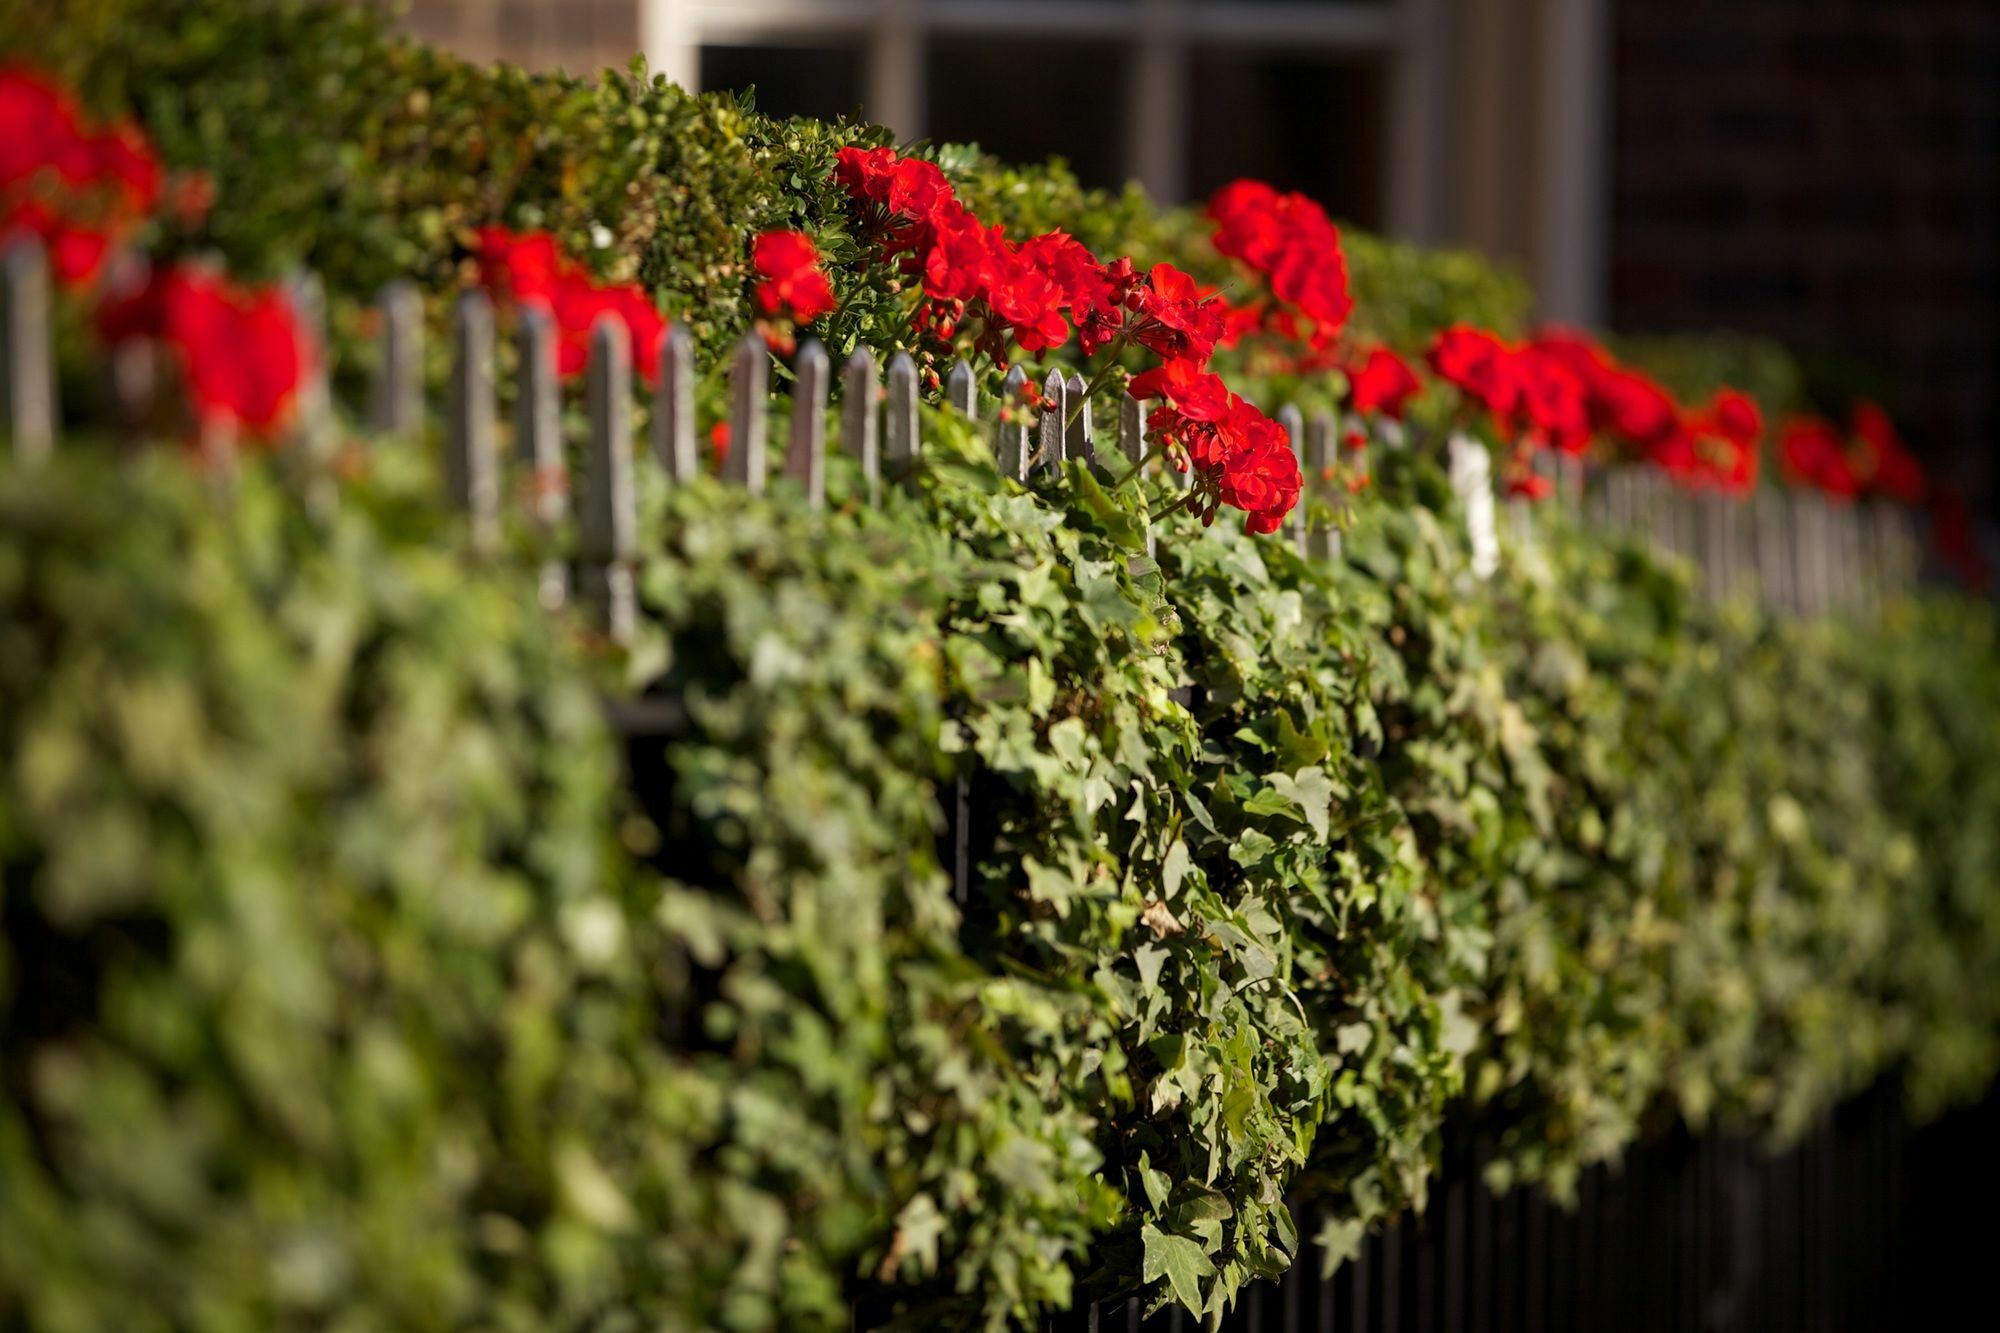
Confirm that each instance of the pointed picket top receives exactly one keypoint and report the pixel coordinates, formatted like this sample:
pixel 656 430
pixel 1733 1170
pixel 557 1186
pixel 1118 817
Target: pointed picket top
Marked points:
pixel 610 514
pixel 471 459
pixel 1471 470
pixel 28 404
pixel 749 393
pixel 805 455
pixel 396 401
pixel 313 423
pixel 1294 423
pixel 1080 432
pixel 538 444
pixel 900 442
pixel 1716 514
pixel 1052 450
pixel 1322 476
pixel 1774 548
pixel 1131 429
pixel 1011 446
pixel 673 407
pixel 961 390
pixel 1569 483
pixel 859 438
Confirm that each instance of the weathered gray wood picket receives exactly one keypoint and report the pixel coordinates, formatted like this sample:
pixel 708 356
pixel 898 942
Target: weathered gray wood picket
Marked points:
pixel 1801 552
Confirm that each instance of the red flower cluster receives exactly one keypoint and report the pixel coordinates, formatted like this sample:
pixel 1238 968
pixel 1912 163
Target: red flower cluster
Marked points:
pixel 1289 240
pixel 792 284
pixel 1239 456
pixel 529 268
pixel 1561 390
pixel 1027 295
pixel 241 352
pixel 1382 384
pixel 1626 406
pixel 1871 460
pixel 1714 447
pixel 80 188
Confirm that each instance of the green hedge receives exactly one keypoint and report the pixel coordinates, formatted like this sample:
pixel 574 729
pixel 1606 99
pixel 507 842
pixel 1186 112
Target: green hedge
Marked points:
pixel 344 985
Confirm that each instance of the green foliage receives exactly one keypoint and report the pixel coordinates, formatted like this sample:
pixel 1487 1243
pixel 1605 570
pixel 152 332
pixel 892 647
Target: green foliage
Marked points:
pixel 342 986
pixel 345 986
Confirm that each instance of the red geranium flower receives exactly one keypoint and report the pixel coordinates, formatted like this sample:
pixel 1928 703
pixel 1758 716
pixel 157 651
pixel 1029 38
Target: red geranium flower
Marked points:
pixel 80 189
pixel 1382 383
pixel 1030 305
pixel 1552 400
pixel 793 285
pixel 1261 474
pixel 1480 365
pixel 1889 466
pixel 865 172
pixel 1175 320
pixel 241 352
pixel 1814 455
pixel 1289 239
pixel 525 268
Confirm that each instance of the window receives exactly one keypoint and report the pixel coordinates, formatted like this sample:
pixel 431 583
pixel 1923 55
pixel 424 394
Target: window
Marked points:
pixel 1179 94
pixel 1301 123
pixel 1026 100
pixel 818 81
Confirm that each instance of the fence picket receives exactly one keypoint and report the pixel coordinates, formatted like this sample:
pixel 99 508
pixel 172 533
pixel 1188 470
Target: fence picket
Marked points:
pixel 314 402
pixel 1293 421
pixel 902 443
pixel 471 463
pixel 1716 513
pixel 1131 429
pixel 1011 447
pixel 1471 469
pixel 673 407
pixel 859 392
pixel 538 445
pixel 132 365
pixel 1323 477
pixel 805 458
pixel 1080 434
pixel 396 399
pixel 749 395
pixel 1774 549
pixel 1054 450
pixel 1569 474
pixel 27 329
pixel 610 517
pixel 962 391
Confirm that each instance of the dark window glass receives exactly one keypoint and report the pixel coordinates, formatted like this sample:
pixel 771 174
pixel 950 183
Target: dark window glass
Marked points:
pixel 818 81
pixel 1315 124
pixel 1024 101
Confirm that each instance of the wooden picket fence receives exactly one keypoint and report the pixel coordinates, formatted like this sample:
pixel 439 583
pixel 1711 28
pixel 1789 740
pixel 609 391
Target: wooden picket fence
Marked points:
pixel 1689 1235
pixel 1799 551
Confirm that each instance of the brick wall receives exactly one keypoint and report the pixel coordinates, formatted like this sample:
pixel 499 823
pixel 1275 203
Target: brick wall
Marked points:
pixel 1823 171
pixel 581 36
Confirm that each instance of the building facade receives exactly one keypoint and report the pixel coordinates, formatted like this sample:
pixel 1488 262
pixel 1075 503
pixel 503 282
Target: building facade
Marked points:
pixel 1821 171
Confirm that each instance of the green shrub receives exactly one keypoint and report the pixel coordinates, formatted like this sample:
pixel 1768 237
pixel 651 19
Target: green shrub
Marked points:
pixel 345 986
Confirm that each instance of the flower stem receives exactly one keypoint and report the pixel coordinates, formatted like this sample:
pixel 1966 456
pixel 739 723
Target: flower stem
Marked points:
pixel 1186 498
pixel 1147 456
pixel 1097 381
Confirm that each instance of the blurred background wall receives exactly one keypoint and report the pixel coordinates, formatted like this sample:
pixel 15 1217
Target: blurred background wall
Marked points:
pixel 1822 171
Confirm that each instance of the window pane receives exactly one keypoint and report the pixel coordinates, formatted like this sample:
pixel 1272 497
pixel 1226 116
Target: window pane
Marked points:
pixel 1025 100
pixel 818 81
pixel 1316 124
